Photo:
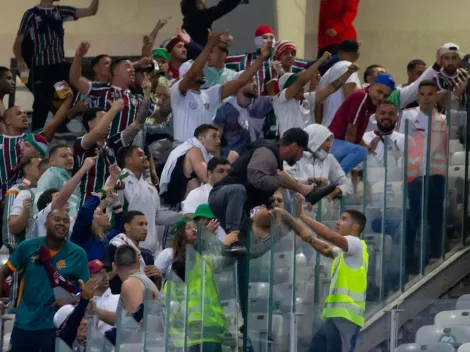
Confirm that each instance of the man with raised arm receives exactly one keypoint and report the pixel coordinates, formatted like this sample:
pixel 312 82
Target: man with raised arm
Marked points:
pixel 345 304
pixel 193 106
pixel 42 27
pixel 101 96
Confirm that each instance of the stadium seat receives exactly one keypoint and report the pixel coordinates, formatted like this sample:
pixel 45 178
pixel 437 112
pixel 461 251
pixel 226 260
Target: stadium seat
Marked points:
pixel 454 146
pixel 452 317
pixel 433 347
pixel 463 302
pixel 443 334
pixel 464 348
pixel 458 158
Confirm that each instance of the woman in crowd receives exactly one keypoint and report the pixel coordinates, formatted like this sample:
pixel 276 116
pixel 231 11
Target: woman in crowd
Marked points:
pixel 91 228
pixel 203 331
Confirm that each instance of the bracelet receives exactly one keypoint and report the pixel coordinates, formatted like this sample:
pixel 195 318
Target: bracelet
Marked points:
pixel 117 207
pixel 103 192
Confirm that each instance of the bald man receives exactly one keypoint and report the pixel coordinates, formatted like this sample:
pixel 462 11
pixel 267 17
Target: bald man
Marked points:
pixel 42 260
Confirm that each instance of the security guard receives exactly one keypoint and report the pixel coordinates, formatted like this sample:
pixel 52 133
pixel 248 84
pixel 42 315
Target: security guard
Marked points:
pixel 345 305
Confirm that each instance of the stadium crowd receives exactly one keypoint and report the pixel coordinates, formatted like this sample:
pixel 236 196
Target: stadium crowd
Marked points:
pixel 189 140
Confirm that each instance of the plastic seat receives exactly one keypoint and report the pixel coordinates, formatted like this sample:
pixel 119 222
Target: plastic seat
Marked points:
pixel 443 334
pixel 453 317
pixel 433 347
pixel 464 348
pixel 455 146
pixel 458 158
pixel 463 302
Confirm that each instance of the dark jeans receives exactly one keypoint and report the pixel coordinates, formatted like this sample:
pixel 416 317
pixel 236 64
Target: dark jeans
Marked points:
pixel 328 339
pixel 32 340
pixel 228 205
pixel 435 219
pixel 332 49
pixel 206 347
pixel 44 78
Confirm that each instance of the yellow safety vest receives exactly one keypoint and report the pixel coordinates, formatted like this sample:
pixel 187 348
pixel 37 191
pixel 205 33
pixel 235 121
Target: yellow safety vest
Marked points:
pixel 347 296
pixel 204 314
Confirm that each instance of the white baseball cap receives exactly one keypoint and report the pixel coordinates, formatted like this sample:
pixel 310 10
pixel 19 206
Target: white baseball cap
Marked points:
pixel 450 48
pixel 62 314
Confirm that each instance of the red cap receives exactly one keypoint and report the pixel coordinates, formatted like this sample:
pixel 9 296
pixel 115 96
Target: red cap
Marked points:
pixel 95 266
pixel 262 30
pixel 172 43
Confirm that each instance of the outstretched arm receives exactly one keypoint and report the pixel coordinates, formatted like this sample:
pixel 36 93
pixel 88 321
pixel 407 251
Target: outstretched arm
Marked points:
pixel 230 88
pixel 70 186
pixel 75 75
pixel 321 230
pixel 60 116
pixel 89 11
pixel 323 93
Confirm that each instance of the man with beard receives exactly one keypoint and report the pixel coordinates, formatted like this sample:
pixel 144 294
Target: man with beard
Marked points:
pixel 43 27
pixel 178 55
pixel 351 121
pixel 240 120
pixel 102 96
pixel 253 179
pixel 451 77
pixel 192 106
pixel 48 264
pixel 104 304
pixel 387 118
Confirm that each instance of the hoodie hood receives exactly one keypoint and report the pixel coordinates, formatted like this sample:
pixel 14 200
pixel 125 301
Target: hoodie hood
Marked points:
pixel 188 7
pixel 317 134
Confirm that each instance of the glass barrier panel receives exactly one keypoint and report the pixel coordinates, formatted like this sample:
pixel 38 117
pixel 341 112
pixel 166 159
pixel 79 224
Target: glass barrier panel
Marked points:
pixel 261 275
pixel 129 333
pixel 457 174
pixel 176 307
pixel 221 317
pixel 95 339
pixel 463 197
pixel 390 215
pixel 153 322
pixel 61 346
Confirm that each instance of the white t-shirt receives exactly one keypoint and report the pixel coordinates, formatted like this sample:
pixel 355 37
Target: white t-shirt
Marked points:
pixel 195 198
pixel 163 262
pixel 292 113
pixel 353 257
pixel 397 145
pixel 18 208
pixel 192 110
pixel 334 101
pixel 39 227
pixel 107 302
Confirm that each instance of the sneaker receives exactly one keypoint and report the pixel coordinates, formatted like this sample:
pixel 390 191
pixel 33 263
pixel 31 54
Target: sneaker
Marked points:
pixel 318 193
pixel 235 250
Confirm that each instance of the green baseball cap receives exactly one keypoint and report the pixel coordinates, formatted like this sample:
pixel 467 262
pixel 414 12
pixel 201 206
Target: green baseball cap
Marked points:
pixel 161 52
pixel 203 211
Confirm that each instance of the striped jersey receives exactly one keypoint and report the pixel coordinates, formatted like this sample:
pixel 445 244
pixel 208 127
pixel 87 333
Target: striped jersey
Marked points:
pixel 10 151
pixel 101 96
pixel 96 177
pixel 266 73
pixel 450 83
pixel 44 26
pixel 9 239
